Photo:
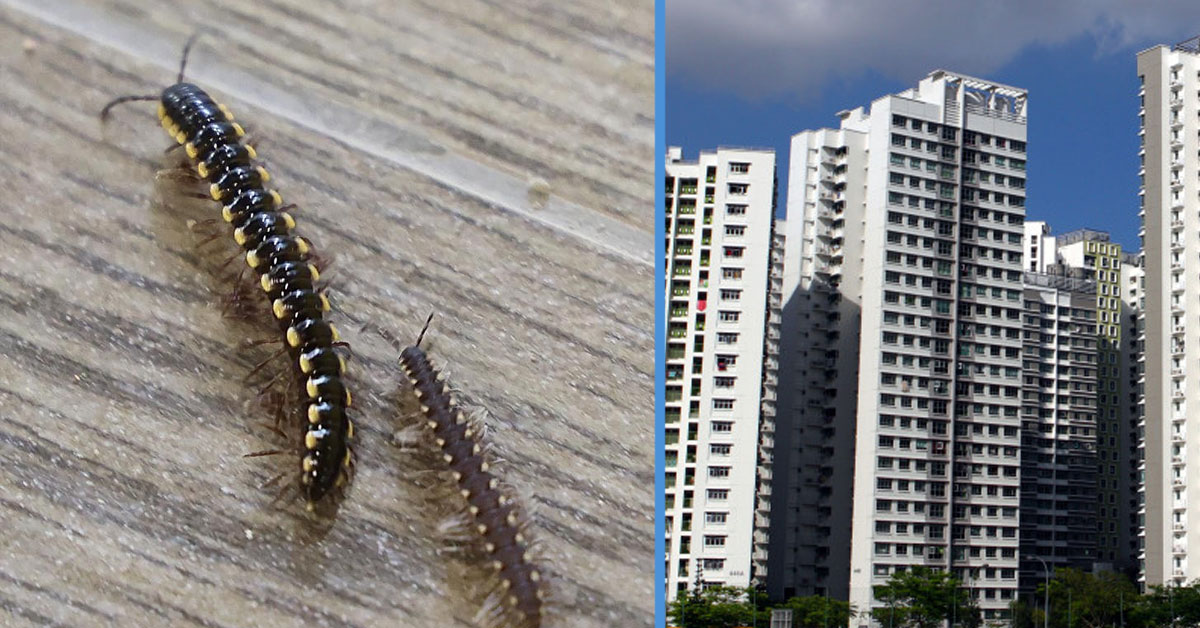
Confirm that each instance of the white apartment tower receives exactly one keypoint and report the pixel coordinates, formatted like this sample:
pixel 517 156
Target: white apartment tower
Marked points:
pixel 723 280
pixel 1170 196
pixel 1133 297
pixel 910 217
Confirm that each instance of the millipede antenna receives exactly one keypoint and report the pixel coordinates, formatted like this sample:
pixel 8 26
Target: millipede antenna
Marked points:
pixel 424 329
pixel 187 49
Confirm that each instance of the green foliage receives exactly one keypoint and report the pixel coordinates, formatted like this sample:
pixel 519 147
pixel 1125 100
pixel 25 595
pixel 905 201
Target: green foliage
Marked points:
pixel 720 607
pixel 924 598
pixel 816 611
pixel 730 607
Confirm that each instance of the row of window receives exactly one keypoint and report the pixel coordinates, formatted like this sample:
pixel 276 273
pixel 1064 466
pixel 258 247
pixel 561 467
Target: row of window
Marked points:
pixel 930 165
pixel 983 176
pixel 948 153
pixel 974 194
pixel 945 190
pixel 948 133
pixel 973 138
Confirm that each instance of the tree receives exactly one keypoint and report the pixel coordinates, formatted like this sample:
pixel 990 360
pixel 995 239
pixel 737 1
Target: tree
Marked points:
pixel 1164 602
pixel 816 611
pixel 719 607
pixel 1082 600
pixel 924 598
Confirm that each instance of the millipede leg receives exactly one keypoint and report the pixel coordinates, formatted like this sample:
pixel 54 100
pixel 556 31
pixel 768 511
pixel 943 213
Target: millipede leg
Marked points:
pixel 275 480
pixel 274 429
pixel 266 452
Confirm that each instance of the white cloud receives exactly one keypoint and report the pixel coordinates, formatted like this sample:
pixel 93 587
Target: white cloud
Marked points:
pixel 764 48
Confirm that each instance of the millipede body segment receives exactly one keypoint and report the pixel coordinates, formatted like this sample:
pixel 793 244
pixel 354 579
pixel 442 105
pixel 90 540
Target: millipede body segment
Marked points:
pixel 213 141
pixel 494 514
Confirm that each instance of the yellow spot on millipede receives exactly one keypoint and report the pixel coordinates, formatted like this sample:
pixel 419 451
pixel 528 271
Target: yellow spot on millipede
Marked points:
pixel 302 246
pixel 311 388
pixel 202 170
pixel 305 364
pixel 314 415
pixel 308 463
pixel 262 172
pixel 252 259
pixel 239 236
pixel 265 282
pixel 290 222
pixel 279 309
pixel 293 337
pixel 276 197
pixel 237 128
pixel 227 214
pixel 251 152
pixel 310 440
pixel 215 192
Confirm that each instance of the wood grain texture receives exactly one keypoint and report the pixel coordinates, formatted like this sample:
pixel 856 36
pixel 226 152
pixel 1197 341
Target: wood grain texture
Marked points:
pixel 409 134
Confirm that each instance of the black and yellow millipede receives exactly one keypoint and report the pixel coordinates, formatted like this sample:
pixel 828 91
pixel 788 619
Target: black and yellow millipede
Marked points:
pixel 285 265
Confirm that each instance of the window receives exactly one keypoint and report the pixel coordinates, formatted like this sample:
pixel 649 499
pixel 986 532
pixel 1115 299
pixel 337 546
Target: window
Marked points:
pixel 735 252
pixel 716 518
pixel 731 273
pixel 714 541
pixel 719 449
pixel 724 382
pixel 735 230
pixel 722 404
pixel 731 295
pixel 739 167
pixel 735 210
pixel 726 338
pixel 718 494
pixel 721 427
pixel 728 316
pixel 714 564
pixel 718 472
pixel 738 189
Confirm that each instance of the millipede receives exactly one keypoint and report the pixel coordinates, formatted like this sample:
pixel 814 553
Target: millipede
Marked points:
pixel 284 262
pixel 518 600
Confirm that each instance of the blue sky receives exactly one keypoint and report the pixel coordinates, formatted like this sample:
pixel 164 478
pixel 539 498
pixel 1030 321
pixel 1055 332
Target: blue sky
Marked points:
pixel 758 75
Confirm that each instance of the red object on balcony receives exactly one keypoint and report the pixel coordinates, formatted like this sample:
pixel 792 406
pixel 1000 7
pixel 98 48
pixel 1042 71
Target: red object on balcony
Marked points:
pixel 700 305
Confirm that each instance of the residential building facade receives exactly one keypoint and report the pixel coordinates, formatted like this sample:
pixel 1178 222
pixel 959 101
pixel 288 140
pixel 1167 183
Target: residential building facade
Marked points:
pixel 1170 214
pixel 907 226
pixel 723 281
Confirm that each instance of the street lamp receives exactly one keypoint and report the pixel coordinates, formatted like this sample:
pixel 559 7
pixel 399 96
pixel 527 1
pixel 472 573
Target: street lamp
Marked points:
pixel 1046 607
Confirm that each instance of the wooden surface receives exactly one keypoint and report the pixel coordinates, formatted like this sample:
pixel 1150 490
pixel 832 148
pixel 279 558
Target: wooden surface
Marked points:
pixel 488 161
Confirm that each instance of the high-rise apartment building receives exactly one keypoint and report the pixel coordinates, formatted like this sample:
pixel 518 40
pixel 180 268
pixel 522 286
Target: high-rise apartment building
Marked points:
pixel 1170 195
pixel 907 226
pixel 1092 255
pixel 1059 471
pixel 810 543
pixel 1133 298
pixel 723 276
pixel 1101 259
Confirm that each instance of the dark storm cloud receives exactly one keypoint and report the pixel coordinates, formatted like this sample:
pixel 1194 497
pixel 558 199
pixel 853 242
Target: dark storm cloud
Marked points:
pixel 764 48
